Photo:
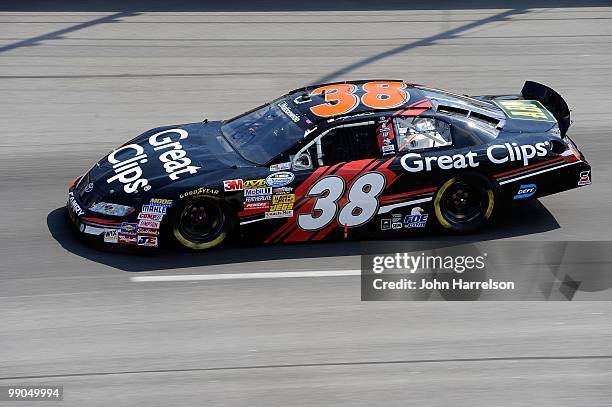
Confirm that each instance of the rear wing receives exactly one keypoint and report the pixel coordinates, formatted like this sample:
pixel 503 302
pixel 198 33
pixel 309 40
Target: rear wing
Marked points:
pixel 551 100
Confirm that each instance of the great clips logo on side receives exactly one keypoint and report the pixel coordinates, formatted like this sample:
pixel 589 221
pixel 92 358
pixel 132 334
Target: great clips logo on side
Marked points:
pixel 126 160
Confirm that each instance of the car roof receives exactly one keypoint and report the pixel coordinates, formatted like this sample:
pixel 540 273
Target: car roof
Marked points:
pixel 302 100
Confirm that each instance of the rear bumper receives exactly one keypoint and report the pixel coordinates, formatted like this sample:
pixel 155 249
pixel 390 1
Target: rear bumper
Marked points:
pixel 549 179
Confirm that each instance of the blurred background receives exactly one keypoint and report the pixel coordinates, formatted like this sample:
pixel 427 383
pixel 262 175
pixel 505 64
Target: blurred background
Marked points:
pixel 79 78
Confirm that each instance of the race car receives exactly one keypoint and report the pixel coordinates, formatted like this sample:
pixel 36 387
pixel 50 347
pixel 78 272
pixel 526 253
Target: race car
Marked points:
pixel 348 160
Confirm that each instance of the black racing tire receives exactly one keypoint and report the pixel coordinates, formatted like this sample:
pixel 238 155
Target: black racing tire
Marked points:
pixel 465 203
pixel 202 223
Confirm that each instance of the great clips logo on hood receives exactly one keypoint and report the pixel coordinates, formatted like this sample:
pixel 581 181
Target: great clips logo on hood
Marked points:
pixel 126 160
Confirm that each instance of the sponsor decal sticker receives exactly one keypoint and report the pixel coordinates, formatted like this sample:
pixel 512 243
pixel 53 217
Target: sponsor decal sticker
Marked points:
pixel 257 192
pixel 282 202
pixel 147 231
pixel 74 205
pixel 111 236
pixel 161 202
pixel 525 191
pixel 199 192
pixel 151 216
pixel 585 178
pixel 286 198
pixel 282 190
pixel 153 209
pixel 396 221
pixel 230 185
pixel 260 198
pixel 126 239
pixel 416 219
pixel 279 214
pixel 385 224
pixel 386 140
pixel 254 183
pixel 89 187
pixel 280 166
pixel 147 240
pixel 92 230
pixel 281 207
pixel 388 149
pixel 285 108
pixel 256 205
pixel 144 223
pixel 280 179
pixel 525 110
pixel 128 228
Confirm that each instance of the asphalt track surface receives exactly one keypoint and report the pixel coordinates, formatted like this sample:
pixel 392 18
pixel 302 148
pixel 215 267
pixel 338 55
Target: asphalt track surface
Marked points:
pixel 75 84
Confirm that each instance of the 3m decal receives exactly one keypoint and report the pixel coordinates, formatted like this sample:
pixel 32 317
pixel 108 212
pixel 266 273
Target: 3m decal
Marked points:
pixel 525 110
pixel 362 201
pixel 233 185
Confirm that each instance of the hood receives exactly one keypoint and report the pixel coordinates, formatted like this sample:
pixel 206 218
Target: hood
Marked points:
pixel 160 159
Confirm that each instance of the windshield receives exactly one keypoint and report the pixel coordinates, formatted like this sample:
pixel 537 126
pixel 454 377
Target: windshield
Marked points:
pixel 264 133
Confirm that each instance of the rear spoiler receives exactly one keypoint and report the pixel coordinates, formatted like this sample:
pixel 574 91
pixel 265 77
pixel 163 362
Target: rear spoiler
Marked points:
pixel 551 100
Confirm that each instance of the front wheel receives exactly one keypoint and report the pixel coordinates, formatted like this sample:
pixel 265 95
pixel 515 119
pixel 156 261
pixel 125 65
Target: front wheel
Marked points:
pixel 465 203
pixel 202 224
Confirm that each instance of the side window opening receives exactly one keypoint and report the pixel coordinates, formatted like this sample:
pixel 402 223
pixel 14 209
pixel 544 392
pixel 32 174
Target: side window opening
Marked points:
pixel 349 143
pixel 418 133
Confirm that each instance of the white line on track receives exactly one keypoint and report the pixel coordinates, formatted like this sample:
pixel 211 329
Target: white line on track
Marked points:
pixel 245 276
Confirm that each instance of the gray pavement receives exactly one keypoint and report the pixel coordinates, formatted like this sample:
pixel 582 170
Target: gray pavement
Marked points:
pixel 74 84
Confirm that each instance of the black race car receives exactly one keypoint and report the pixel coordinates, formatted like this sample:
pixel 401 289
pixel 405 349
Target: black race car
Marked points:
pixel 340 160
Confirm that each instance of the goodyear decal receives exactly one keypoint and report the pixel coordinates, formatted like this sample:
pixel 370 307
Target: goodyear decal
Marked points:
pixel 525 110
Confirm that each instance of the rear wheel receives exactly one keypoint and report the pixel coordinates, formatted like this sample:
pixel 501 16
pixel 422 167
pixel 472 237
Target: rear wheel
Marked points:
pixel 202 224
pixel 465 203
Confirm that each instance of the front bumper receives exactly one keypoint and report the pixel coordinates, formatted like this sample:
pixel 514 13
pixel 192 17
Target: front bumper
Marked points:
pixel 104 234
